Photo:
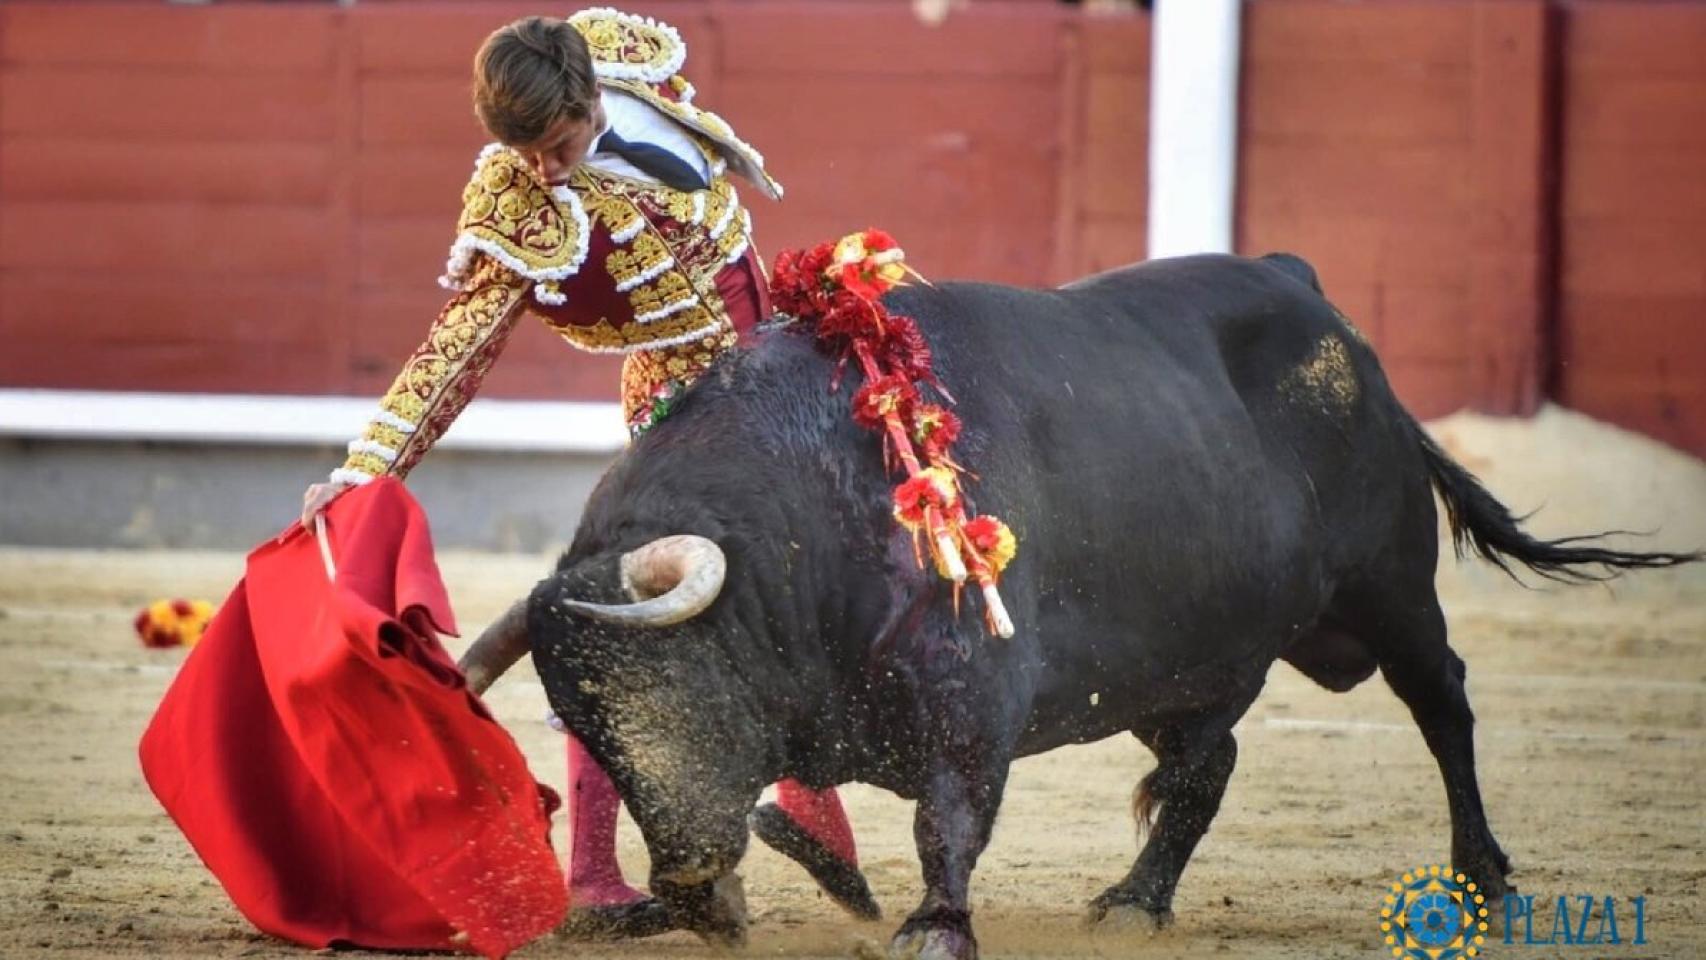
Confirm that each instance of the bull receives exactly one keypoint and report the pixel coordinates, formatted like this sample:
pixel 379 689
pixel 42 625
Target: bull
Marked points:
pixel 1207 472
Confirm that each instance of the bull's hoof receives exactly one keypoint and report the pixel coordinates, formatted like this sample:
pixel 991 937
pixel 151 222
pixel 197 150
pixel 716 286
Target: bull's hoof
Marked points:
pixel 1490 876
pixel 1128 918
pixel 1495 918
pixel 728 921
pixel 1492 887
pixel 838 878
pixel 1120 911
pixel 715 912
pixel 618 921
pixel 935 943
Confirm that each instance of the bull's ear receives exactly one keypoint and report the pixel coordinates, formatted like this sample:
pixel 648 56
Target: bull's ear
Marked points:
pixel 669 580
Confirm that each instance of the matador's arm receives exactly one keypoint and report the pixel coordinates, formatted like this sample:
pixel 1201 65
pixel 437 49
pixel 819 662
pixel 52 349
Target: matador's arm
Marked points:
pixel 440 377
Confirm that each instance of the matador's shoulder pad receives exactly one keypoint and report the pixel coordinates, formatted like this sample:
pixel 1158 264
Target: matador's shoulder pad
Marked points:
pixel 539 231
pixel 627 47
pixel 643 57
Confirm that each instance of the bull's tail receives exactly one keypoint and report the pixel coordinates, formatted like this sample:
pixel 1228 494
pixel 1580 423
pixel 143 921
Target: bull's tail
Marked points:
pixel 1144 803
pixel 1479 522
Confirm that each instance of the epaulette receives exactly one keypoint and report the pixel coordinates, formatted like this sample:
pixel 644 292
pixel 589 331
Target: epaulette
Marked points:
pixel 539 231
pixel 626 47
pixel 643 57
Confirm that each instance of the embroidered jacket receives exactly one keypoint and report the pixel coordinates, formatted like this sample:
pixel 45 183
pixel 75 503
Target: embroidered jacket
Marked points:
pixel 611 263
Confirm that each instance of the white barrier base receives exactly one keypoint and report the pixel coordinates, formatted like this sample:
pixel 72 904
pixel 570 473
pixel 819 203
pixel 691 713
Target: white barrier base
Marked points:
pixel 494 425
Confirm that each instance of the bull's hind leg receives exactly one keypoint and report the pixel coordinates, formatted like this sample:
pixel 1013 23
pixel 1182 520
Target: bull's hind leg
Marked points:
pixel 1187 784
pixel 1409 640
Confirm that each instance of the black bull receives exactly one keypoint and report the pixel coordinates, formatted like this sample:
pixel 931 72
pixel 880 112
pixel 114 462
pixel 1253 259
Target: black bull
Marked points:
pixel 1207 472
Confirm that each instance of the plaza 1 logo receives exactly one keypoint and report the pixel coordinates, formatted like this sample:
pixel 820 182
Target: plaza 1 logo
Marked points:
pixel 1437 913
pixel 1434 913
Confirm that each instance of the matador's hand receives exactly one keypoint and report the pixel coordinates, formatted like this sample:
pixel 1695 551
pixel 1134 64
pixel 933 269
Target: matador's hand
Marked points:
pixel 317 498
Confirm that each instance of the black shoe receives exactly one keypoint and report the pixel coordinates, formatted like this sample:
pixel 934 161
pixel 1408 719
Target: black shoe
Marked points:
pixel 838 878
pixel 618 921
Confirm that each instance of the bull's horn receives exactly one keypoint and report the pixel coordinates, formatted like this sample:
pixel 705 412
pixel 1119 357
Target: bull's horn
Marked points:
pixel 496 650
pixel 671 579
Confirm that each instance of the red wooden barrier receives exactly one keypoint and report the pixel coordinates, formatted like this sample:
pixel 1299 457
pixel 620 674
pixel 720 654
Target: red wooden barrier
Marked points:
pixel 259 198
pixel 1402 149
pixel 256 197
pixel 1632 218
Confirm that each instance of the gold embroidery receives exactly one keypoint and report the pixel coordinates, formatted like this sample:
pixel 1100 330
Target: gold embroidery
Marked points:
pixel 681 205
pixel 664 305
pixel 620 216
pixel 717 205
pixel 402 402
pixel 509 213
pixel 668 292
pixel 731 242
pixel 645 371
pixel 603 337
pixel 367 463
pixel 644 257
pixel 385 435
pixel 712 301
pixel 647 49
pixel 443 373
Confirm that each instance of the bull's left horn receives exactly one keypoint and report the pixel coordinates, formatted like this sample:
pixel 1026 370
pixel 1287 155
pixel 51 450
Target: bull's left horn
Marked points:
pixel 503 643
pixel 671 579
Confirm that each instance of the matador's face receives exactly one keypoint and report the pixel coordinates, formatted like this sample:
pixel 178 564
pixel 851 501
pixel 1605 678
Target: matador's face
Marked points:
pixel 564 145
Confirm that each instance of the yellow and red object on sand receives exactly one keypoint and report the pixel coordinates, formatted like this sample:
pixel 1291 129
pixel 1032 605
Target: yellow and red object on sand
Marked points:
pixel 173 623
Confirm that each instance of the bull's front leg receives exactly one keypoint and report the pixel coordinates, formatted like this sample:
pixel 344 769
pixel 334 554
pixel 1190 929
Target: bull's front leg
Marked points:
pixel 955 814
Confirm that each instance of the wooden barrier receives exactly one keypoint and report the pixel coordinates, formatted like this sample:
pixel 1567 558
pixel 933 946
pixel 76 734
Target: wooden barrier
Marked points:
pixel 1402 148
pixel 1631 335
pixel 256 198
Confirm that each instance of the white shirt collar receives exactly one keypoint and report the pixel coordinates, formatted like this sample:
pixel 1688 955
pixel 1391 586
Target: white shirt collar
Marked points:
pixel 592 145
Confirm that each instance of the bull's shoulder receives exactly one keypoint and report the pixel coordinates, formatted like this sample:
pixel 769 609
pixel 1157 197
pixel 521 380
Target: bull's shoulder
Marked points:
pixel 1200 271
pixel 959 298
pixel 1294 267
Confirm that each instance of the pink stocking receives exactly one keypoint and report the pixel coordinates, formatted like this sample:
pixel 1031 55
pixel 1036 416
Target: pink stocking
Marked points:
pixel 595 878
pixel 819 813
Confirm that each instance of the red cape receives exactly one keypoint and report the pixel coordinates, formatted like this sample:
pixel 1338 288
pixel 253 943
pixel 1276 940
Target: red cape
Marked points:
pixel 321 752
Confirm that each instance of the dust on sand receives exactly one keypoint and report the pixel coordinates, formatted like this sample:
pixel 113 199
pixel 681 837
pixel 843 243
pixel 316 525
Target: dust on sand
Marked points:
pixel 1592 737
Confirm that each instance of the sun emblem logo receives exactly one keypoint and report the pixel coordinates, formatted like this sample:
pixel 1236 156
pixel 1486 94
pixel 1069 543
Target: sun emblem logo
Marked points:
pixel 1434 913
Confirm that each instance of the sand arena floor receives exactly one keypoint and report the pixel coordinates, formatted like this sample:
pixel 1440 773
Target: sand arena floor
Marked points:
pixel 1592 737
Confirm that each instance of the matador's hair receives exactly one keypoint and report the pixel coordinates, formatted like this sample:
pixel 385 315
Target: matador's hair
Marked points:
pixel 528 76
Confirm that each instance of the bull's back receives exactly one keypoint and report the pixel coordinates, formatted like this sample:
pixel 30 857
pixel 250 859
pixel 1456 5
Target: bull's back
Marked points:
pixel 1195 380
pixel 1146 394
pixel 1152 435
